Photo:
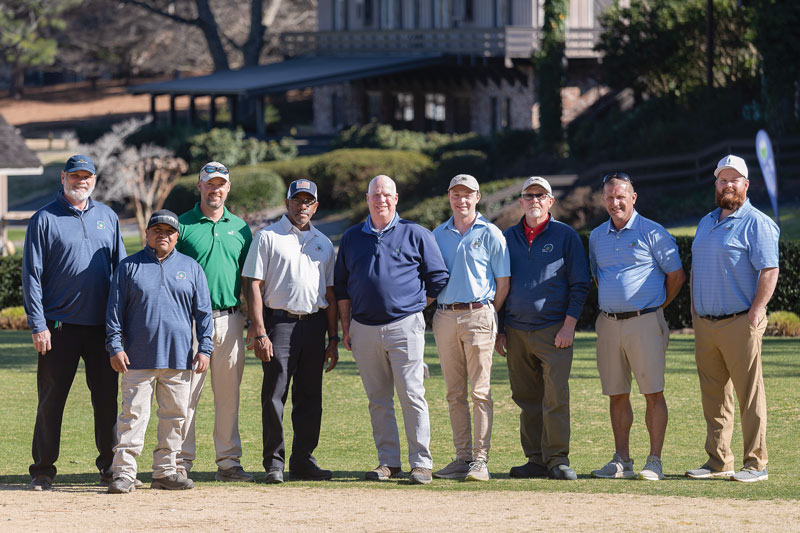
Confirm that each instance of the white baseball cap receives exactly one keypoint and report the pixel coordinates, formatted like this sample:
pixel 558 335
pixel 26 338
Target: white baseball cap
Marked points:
pixel 732 161
pixel 537 180
pixel 212 169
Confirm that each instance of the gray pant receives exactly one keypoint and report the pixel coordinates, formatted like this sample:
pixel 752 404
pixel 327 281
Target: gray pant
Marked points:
pixel 388 357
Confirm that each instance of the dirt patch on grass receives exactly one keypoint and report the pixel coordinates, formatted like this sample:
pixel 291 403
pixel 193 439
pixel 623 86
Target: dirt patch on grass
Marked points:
pixel 215 508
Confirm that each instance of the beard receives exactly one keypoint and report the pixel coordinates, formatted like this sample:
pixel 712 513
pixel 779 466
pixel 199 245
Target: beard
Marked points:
pixel 535 212
pixel 78 195
pixel 730 201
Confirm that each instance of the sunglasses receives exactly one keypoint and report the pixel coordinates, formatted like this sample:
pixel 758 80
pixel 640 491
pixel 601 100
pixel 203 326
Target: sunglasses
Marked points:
pixel 616 176
pixel 308 202
pixel 531 196
pixel 210 169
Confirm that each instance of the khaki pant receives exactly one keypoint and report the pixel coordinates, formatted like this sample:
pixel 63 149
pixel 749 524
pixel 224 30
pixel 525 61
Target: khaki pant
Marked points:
pixel 465 341
pixel 728 356
pixel 539 376
pixel 171 388
pixel 226 368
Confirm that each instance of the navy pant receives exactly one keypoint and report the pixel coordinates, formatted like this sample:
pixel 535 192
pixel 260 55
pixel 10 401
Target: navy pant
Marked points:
pixel 54 376
pixel 299 356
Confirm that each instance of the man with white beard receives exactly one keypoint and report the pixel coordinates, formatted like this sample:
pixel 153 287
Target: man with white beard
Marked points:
pixel 72 247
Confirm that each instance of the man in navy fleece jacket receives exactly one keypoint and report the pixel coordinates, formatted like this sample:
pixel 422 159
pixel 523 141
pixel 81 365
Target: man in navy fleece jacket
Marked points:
pixel 387 271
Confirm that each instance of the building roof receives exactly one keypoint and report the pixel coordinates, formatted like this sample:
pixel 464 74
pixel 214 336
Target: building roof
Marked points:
pixel 16 159
pixel 297 73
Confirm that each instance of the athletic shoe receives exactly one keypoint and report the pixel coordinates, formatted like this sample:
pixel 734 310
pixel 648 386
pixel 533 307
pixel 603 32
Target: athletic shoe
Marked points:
pixel 528 470
pixel 419 476
pixel 750 475
pixel 121 485
pixel 235 473
pixel 706 472
pixel 562 472
pixel 653 469
pixel 41 482
pixel 478 471
pixel 383 473
pixel 457 469
pixel 615 469
pixel 172 482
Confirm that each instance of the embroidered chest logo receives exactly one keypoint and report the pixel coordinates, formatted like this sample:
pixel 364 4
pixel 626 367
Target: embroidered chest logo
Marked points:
pixel 231 232
pixel 101 224
pixel 396 253
pixel 547 248
pixel 728 227
pixel 317 248
pixel 475 244
pixel 180 275
pixel 633 244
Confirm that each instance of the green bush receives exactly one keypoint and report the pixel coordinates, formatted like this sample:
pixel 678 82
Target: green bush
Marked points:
pixel 253 190
pixel 10 281
pixel 783 324
pixel 232 148
pixel 183 196
pixel 382 136
pixel 13 318
pixel 471 162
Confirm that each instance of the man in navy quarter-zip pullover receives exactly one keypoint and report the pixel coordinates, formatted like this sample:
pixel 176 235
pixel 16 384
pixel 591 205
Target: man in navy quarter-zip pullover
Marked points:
pixel 549 283
pixel 72 247
pixel 156 294
pixel 387 271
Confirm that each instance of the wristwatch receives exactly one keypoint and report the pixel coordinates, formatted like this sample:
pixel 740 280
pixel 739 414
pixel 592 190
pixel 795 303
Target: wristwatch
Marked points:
pixel 336 338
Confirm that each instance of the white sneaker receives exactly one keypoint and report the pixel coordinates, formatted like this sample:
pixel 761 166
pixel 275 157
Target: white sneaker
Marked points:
pixel 653 470
pixel 478 471
pixel 615 469
pixel 457 469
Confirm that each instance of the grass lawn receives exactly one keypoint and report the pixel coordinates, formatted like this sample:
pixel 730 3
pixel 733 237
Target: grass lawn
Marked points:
pixel 346 444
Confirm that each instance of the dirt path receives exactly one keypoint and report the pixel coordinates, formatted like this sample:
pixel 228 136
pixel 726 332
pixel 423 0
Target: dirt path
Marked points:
pixel 394 509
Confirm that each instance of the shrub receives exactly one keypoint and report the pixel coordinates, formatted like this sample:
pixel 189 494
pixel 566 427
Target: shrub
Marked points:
pixel 10 281
pixel 430 212
pixel 183 196
pixel 471 162
pixel 13 318
pixel 255 189
pixel 783 324
pixel 231 148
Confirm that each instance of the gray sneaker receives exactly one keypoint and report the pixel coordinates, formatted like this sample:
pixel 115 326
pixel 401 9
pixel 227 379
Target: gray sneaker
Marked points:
pixel 615 469
pixel 419 476
pixel 478 471
pixel 172 482
pixel 706 472
pixel 121 485
pixel 384 473
pixel 750 475
pixel 235 473
pixel 653 469
pixel 458 469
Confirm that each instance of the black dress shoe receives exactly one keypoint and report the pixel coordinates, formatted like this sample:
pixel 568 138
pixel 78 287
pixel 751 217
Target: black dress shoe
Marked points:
pixel 310 472
pixel 528 470
pixel 274 475
pixel 563 472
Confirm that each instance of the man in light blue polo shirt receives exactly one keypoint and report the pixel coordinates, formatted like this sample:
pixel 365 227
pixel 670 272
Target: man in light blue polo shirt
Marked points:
pixel 638 271
pixel 734 273
pixel 465 325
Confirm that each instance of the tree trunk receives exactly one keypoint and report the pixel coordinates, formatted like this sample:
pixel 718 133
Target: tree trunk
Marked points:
pixel 17 82
pixel 208 25
pixel 251 51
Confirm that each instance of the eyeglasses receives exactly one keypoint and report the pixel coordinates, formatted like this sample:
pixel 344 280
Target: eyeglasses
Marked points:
pixel 616 176
pixel 308 202
pixel 210 169
pixel 534 196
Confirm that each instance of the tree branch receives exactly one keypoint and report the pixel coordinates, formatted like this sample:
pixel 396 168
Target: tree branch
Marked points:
pixel 152 9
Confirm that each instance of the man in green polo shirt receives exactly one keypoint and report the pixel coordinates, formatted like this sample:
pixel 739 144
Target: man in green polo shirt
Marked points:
pixel 218 240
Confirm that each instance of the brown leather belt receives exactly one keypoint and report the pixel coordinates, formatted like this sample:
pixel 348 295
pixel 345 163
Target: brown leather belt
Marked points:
pixel 461 306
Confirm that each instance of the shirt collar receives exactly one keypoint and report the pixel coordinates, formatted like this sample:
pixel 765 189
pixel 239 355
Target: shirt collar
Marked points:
pixel 287 226
pixel 152 254
pixel 739 213
pixel 64 202
pixel 628 225
pixel 198 213
pixel 479 221
pixel 369 228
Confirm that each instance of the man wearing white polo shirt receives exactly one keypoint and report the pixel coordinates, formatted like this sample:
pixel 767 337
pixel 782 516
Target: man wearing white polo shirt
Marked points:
pixel 291 303
pixel 638 271
pixel 734 273
pixel 465 324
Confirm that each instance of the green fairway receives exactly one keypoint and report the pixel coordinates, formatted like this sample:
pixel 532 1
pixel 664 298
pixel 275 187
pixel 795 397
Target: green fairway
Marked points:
pixel 347 448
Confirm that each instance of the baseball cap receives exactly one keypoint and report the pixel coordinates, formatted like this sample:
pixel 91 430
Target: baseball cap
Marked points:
pixel 466 180
pixel 302 185
pixel 732 161
pixel 212 169
pixel 79 162
pixel 537 180
pixel 164 216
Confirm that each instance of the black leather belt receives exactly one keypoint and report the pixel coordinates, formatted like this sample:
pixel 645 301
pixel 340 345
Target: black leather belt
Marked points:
pixel 461 307
pixel 286 314
pixel 631 314
pixel 216 313
pixel 723 317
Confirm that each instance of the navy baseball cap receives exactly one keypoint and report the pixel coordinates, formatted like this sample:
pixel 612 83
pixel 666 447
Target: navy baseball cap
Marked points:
pixel 79 162
pixel 164 216
pixel 302 185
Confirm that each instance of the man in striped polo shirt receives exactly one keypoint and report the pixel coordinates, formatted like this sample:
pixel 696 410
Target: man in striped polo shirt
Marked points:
pixel 734 273
pixel 638 271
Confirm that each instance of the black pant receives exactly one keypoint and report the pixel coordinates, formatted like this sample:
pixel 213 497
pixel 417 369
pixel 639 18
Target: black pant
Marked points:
pixel 54 376
pixel 299 355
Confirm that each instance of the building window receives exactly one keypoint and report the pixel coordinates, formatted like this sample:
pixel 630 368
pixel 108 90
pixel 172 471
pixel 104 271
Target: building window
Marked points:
pixel 404 109
pixel 374 106
pixel 505 113
pixel 434 111
pixel 462 114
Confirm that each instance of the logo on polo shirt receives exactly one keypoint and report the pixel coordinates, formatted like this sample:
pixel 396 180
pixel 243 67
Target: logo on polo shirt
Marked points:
pixel 318 248
pixel 728 227
pixel 476 243
pixel 633 244
pixel 396 252
pixel 180 275
pixel 101 224
pixel 231 232
pixel 547 248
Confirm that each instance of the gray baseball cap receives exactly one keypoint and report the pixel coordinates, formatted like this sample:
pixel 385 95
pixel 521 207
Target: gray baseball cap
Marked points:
pixel 466 180
pixel 537 180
